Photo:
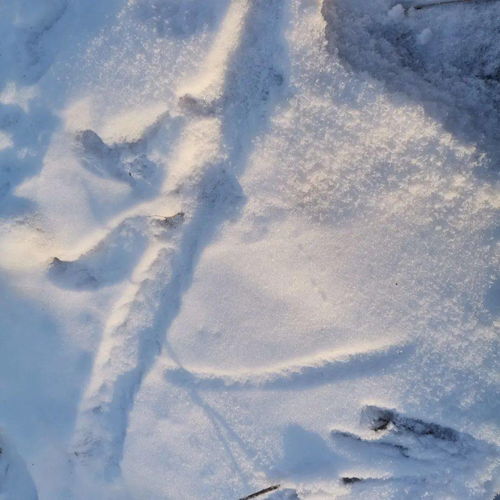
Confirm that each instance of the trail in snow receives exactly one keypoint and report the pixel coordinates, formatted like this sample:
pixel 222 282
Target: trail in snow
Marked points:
pixel 361 144
pixel 243 93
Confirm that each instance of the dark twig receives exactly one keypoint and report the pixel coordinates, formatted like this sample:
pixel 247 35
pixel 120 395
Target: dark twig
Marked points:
pixel 350 480
pixel 261 492
pixel 441 2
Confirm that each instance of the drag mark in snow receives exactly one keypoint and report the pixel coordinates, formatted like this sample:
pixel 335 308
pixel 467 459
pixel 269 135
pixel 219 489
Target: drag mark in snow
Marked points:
pixel 304 372
pixel 126 351
pixel 211 153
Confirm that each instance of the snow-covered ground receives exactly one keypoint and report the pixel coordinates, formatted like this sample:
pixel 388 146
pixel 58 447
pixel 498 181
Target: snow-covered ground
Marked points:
pixel 247 243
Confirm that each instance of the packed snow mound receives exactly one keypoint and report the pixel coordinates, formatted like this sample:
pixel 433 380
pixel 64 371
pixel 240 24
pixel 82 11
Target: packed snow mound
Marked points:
pixel 249 250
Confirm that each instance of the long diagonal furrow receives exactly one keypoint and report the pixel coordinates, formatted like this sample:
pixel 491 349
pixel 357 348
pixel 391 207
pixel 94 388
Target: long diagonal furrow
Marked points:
pixel 239 94
pixel 304 372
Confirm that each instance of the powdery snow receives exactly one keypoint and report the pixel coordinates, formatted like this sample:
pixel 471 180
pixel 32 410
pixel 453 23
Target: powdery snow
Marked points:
pixel 249 243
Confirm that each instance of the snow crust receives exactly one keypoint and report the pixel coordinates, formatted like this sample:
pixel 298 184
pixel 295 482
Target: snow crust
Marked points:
pixel 247 243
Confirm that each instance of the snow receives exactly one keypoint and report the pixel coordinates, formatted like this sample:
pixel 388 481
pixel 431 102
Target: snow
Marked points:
pixel 248 243
pixel 397 12
pixel 424 36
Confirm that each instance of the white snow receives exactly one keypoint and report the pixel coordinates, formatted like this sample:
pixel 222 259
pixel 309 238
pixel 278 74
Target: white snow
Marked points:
pixel 424 36
pixel 248 243
pixel 397 12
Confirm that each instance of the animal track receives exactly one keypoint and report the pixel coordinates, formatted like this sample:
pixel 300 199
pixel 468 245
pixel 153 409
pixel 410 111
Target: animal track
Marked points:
pixel 125 161
pixel 412 451
pixel 114 257
pixel 207 183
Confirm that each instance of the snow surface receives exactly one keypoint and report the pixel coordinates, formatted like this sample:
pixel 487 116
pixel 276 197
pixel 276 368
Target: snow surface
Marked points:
pixel 247 243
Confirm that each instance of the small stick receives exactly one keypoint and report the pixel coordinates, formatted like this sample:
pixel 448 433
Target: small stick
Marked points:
pixel 261 492
pixel 435 4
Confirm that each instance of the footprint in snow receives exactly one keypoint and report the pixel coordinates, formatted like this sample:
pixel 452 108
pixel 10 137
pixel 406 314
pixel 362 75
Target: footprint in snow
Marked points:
pixel 126 161
pixel 413 452
pixel 113 259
